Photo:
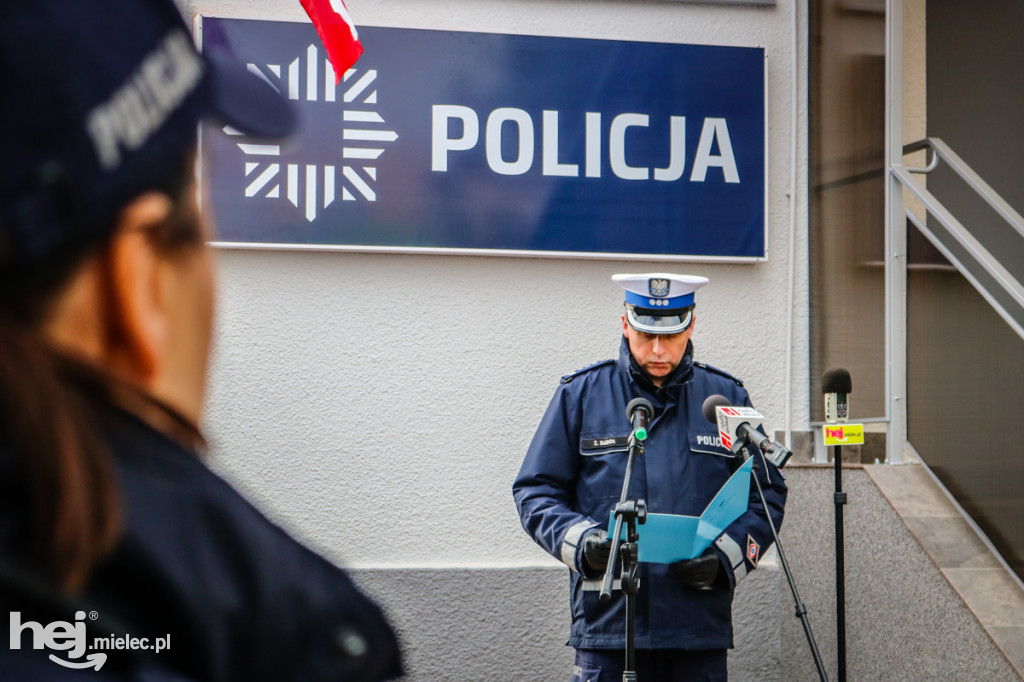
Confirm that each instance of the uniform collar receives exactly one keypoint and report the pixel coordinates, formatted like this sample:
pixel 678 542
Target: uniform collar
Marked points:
pixel 679 376
pixel 106 390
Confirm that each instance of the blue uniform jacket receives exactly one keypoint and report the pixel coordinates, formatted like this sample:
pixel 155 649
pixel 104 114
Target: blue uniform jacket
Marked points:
pixel 239 599
pixel 572 477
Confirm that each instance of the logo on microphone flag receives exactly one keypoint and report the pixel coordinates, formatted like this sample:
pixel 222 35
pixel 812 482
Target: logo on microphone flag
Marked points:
pixel 730 418
pixel 844 434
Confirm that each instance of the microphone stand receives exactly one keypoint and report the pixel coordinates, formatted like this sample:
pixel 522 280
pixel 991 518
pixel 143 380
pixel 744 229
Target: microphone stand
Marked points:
pixel 801 610
pixel 628 513
pixel 840 500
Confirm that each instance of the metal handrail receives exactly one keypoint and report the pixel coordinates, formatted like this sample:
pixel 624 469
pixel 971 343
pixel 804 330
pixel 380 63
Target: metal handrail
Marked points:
pixel 940 149
pixel 992 301
pixel 930 152
pixel 966 241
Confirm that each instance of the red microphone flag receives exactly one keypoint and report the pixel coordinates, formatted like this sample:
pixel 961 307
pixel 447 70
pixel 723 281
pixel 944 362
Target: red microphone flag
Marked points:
pixel 337 33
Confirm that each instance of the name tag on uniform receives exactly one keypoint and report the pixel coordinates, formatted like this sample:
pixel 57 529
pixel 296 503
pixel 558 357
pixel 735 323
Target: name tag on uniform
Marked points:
pixel 596 443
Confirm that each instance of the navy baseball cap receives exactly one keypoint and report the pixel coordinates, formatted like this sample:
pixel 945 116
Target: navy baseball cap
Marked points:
pixel 102 100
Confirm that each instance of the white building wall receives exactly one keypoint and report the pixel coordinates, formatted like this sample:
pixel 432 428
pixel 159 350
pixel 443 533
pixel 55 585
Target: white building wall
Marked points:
pixel 379 405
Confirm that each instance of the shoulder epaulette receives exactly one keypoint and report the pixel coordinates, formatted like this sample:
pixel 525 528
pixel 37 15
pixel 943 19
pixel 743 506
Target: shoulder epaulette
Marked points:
pixel 720 372
pixel 569 377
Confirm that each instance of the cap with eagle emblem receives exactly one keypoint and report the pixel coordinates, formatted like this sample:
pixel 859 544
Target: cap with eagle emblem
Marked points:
pixel 659 302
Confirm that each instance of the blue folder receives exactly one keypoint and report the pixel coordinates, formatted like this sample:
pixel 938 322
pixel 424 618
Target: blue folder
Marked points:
pixel 665 538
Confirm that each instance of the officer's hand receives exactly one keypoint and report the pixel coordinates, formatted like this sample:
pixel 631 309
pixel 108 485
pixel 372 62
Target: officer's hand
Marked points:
pixel 699 573
pixel 596 548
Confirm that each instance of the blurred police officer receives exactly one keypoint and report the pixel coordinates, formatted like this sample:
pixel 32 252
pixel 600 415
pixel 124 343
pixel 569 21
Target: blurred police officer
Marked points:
pixel 572 477
pixel 106 300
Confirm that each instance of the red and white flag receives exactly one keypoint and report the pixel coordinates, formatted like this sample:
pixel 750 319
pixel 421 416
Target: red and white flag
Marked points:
pixel 337 33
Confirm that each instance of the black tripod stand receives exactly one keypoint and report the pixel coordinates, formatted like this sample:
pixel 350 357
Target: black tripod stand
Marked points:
pixel 801 610
pixel 629 513
pixel 778 454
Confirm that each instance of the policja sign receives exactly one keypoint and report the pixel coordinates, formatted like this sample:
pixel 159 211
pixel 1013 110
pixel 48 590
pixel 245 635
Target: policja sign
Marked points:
pixel 442 140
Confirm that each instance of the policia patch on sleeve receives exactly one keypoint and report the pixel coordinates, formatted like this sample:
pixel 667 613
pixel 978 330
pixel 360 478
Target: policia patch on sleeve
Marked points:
pixel 753 551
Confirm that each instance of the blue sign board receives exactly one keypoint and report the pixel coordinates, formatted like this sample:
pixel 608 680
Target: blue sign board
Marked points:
pixel 444 140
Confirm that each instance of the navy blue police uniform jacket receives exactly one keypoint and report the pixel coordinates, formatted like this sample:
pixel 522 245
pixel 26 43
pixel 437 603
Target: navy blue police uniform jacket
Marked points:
pixel 236 596
pixel 572 476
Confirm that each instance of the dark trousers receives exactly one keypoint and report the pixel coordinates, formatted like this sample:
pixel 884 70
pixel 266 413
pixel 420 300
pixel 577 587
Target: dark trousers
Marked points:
pixel 652 665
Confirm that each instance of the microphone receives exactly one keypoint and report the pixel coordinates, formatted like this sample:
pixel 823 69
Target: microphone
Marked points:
pixel 778 454
pixel 639 412
pixel 709 408
pixel 737 427
pixel 836 384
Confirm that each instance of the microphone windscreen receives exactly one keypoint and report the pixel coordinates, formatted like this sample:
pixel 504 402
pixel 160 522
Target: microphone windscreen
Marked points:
pixel 836 381
pixel 710 403
pixel 639 404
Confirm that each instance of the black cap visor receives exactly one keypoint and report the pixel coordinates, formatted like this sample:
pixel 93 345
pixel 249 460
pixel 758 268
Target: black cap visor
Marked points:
pixel 245 101
pixel 657 322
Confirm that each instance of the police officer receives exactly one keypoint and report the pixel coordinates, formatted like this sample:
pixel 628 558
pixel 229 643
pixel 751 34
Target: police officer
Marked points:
pixel 111 524
pixel 572 477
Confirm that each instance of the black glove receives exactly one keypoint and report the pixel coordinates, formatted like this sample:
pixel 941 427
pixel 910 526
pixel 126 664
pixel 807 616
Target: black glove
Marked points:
pixel 699 573
pixel 596 548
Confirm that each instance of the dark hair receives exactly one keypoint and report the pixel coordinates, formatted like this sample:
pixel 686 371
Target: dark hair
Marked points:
pixel 47 411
